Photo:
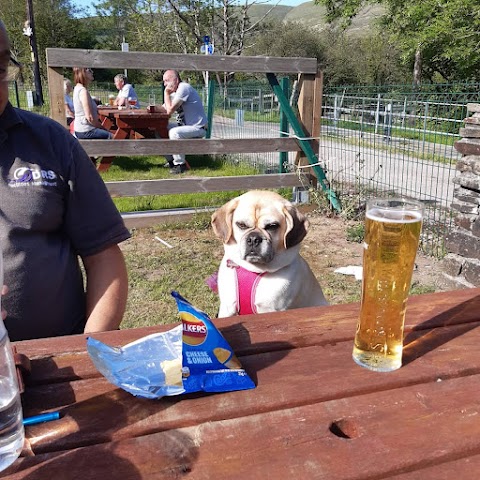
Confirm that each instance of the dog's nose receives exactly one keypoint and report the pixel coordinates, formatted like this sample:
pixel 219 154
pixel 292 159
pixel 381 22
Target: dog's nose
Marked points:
pixel 254 240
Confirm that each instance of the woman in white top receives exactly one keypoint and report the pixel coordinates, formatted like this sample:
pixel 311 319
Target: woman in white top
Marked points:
pixel 86 124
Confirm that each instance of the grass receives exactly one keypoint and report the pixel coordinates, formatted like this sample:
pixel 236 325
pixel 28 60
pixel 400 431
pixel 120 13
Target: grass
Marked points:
pixel 155 270
pixel 356 232
pixel 269 116
pixel 151 168
pixel 438 137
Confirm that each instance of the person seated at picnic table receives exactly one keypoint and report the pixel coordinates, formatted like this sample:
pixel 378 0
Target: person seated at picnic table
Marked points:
pixel 125 92
pixel 69 108
pixel 191 121
pixel 86 124
pixel 55 211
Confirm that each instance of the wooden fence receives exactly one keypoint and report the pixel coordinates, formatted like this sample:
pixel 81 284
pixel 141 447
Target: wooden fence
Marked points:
pixel 310 81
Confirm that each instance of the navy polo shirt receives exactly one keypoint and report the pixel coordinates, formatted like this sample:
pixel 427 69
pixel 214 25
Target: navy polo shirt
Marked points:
pixel 54 207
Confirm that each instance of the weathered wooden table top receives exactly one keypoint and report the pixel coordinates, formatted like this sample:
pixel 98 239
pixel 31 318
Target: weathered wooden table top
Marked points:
pixel 314 414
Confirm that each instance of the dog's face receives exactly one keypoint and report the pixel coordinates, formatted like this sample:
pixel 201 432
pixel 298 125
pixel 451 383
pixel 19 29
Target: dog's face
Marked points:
pixel 261 224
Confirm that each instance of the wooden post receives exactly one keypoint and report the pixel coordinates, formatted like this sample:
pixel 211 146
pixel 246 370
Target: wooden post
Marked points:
pixel 57 98
pixel 317 106
pixel 306 112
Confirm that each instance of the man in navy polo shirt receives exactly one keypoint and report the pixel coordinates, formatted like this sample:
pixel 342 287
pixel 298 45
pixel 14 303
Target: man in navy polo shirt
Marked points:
pixel 55 209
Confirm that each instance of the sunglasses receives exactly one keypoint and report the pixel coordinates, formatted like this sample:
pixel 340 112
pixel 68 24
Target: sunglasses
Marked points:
pixel 89 70
pixel 4 68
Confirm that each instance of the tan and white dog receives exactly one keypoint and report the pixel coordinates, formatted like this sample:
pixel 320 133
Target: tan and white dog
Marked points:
pixel 262 269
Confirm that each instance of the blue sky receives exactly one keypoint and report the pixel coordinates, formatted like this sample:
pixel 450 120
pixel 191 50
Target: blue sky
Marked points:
pixel 88 3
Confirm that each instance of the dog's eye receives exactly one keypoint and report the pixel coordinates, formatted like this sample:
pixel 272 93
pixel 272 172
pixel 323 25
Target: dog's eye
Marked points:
pixel 272 226
pixel 242 226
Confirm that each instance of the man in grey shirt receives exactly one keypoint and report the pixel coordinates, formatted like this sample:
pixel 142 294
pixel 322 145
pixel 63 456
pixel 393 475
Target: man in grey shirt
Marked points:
pixel 183 99
pixel 54 210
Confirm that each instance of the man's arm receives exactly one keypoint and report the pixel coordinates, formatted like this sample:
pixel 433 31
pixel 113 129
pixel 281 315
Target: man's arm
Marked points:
pixel 120 101
pixel 68 111
pixel 107 289
pixel 169 105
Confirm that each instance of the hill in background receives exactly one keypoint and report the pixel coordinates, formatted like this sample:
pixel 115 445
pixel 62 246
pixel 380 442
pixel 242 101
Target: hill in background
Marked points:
pixel 313 16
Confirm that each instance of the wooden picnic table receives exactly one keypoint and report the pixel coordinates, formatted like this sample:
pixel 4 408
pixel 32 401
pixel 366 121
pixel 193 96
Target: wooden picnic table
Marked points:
pixel 131 124
pixel 314 414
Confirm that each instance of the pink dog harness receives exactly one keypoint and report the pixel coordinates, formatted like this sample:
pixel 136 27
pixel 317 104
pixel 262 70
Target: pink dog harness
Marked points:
pixel 247 283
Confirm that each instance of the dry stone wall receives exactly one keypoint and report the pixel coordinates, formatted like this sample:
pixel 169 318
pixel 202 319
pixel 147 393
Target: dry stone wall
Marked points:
pixel 462 264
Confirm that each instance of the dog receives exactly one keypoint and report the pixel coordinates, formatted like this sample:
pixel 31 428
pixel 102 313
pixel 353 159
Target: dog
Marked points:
pixel 262 269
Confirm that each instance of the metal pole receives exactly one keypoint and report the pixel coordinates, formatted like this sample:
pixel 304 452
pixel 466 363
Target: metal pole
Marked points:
pixel 377 114
pixel 210 107
pixel 283 127
pixel 17 97
pixel 125 71
pixel 30 24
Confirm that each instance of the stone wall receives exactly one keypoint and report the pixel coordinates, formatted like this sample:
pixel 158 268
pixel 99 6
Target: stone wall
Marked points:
pixel 462 264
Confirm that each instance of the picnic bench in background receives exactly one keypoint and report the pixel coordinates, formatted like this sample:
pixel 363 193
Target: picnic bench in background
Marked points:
pixel 132 124
pixel 306 126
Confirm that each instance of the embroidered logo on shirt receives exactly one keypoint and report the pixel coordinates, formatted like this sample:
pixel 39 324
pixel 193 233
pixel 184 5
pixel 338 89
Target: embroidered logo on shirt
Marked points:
pixel 32 176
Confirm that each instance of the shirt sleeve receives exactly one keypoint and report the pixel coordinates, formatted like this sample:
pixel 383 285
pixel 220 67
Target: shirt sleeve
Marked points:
pixel 92 221
pixel 123 93
pixel 181 95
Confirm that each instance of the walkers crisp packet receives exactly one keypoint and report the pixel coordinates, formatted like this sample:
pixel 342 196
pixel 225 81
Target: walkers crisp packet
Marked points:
pixel 191 357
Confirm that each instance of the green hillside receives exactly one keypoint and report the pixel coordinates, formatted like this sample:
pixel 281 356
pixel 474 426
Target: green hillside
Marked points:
pixel 314 15
pixel 279 12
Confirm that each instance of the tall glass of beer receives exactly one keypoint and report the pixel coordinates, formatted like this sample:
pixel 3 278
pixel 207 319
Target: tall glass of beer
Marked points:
pixel 392 232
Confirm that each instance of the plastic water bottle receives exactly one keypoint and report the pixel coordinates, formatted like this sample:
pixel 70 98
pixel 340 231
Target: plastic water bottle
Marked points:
pixel 11 420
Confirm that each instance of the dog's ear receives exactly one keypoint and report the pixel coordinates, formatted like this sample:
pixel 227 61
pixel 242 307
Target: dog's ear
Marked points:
pixel 297 226
pixel 222 221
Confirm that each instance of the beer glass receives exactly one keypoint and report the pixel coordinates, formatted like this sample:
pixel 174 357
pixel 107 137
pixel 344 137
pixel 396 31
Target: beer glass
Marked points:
pixel 392 232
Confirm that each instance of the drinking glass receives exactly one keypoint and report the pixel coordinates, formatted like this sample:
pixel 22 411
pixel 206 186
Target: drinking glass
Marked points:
pixel 392 232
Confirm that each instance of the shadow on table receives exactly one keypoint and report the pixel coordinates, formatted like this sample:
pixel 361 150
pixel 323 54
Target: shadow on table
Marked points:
pixel 254 356
pixel 442 328
pixel 174 453
pixel 106 414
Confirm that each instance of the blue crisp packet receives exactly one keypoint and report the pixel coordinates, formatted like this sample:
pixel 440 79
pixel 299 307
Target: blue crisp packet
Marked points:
pixel 139 367
pixel 191 357
pixel 209 363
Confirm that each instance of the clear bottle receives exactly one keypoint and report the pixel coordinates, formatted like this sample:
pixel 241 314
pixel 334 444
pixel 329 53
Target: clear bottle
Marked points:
pixel 11 419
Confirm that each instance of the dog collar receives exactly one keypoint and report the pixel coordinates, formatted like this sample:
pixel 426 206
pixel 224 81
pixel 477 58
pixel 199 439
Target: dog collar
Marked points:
pixel 247 283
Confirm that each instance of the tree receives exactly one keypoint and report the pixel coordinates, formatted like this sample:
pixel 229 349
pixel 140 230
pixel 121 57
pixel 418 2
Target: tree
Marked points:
pixel 178 25
pixel 345 59
pixel 292 39
pixel 441 36
pixel 56 25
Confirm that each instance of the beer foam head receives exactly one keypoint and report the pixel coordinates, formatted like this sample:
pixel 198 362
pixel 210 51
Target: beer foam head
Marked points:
pixel 394 216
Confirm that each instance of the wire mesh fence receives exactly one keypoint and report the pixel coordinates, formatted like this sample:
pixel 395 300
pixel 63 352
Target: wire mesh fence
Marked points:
pixel 375 140
pixel 394 141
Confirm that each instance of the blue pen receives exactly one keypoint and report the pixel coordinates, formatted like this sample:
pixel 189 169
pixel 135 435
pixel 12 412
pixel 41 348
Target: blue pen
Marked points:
pixel 44 417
